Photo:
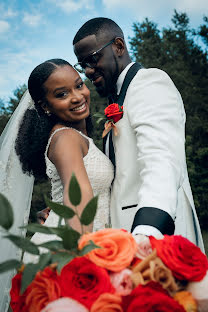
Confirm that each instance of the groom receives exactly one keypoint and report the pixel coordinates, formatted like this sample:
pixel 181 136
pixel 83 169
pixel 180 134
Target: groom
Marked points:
pixel 151 194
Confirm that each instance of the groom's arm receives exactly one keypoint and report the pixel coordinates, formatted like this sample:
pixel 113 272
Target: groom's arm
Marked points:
pixel 156 114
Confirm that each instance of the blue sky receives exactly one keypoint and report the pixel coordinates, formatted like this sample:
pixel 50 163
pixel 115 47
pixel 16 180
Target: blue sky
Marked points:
pixel 34 31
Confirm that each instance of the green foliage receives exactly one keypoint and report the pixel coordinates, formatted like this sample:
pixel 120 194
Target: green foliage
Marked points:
pixel 6 109
pixel 7 218
pixel 97 105
pixel 60 251
pixel 41 188
pixel 23 243
pixel 60 210
pixel 74 191
pixel 89 212
pixel 176 50
pixel 9 265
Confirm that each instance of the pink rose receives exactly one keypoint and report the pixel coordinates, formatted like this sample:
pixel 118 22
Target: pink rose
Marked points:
pixel 199 291
pixel 144 247
pixel 65 305
pixel 122 282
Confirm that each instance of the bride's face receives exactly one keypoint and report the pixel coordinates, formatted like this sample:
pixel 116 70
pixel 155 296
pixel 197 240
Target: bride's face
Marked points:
pixel 67 96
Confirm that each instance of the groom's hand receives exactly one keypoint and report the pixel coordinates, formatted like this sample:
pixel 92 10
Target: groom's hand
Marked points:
pixel 42 215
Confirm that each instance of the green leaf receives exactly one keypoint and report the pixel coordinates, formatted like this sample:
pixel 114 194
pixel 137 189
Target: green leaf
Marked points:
pixel 99 115
pixel 24 243
pixel 62 259
pixel 99 120
pixel 74 191
pixel 70 239
pixel 6 213
pixel 53 245
pixel 88 248
pixel 59 221
pixel 59 231
pixel 60 210
pixel 9 265
pixel 44 260
pixel 28 275
pixel 34 227
pixel 89 211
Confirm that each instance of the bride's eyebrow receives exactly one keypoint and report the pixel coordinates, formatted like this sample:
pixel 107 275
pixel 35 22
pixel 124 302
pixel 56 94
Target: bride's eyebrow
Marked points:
pixel 58 89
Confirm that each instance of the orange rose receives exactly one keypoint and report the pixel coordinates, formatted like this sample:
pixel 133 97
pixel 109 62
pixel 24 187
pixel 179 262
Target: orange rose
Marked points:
pixel 43 289
pixel 186 300
pixel 107 303
pixel 118 248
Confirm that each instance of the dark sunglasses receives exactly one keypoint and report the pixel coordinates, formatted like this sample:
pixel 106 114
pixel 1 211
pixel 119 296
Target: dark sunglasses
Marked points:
pixel 90 60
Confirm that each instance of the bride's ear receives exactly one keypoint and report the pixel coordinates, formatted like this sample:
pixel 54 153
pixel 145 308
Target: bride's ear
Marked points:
pixel 43 105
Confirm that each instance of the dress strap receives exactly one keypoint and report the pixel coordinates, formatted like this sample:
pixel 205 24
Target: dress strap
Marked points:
pixel 60 129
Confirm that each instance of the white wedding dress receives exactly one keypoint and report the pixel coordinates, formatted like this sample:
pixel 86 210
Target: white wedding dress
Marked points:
pixel 100 172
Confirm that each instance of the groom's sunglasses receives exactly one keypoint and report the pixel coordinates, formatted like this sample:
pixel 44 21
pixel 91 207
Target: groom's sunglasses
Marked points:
pixel 90 60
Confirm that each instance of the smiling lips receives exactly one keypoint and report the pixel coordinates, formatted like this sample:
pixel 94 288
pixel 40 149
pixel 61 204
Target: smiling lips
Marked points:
pixel 79 108
pixel 97 80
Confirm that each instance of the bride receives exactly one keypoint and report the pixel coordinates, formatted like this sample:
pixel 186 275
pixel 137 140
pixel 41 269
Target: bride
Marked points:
pixel 53 140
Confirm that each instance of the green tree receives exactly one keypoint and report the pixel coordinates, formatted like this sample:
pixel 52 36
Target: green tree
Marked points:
pixel 176 50
pixel 97 104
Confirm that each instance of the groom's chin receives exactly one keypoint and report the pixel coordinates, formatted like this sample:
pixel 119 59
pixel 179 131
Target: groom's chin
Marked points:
pixel 102 91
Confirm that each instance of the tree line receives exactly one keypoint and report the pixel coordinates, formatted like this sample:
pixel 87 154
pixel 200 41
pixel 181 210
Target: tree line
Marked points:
pixel 181 51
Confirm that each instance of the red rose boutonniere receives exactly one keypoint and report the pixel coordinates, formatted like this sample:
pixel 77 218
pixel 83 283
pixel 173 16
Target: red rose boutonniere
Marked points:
pixel 114 113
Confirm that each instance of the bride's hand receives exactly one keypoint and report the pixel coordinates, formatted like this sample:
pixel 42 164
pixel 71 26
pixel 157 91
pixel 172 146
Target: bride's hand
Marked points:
pixel 42 215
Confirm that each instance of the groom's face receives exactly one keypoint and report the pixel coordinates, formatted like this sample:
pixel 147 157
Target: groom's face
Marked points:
pixel 104 72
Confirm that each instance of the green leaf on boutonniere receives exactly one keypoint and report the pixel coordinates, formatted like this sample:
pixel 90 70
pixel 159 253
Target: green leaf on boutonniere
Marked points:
pixel 24 243
pixel 87 248
pixel 89 211
pixel 62 258
pixel 70 239
pixel 6 213
pixel 100 117
pixel 10 265
pixel 74 191
pixel 60 210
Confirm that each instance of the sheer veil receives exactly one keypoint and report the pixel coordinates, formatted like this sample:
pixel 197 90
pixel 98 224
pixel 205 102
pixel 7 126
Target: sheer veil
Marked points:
pixel 17 187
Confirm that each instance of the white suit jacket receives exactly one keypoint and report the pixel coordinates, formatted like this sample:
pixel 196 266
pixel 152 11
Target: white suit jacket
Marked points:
pixel 150 157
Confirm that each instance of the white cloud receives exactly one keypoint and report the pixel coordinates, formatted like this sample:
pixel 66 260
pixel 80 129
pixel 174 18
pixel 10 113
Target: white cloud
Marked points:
pixel 4 26
pixel 159 7
pixel 71 6
pixel 190 5
pixel 32 20
pixel 10 13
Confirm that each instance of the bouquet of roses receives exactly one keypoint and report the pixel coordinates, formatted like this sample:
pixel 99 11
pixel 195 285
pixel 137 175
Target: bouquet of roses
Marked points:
pixel 109 270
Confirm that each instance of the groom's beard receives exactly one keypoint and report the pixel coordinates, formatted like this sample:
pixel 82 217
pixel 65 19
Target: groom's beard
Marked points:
pixel 108 87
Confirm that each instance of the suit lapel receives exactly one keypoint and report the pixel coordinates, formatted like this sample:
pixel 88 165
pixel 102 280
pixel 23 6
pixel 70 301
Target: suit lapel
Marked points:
pixel 108 147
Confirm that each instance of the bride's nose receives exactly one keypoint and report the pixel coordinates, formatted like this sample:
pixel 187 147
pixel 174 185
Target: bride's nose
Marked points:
pixel 77 96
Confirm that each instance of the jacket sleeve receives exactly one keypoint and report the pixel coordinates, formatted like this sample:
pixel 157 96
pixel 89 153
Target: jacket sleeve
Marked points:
pixel 156 113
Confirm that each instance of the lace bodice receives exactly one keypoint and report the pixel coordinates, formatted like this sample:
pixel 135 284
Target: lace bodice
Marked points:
pixel 100 173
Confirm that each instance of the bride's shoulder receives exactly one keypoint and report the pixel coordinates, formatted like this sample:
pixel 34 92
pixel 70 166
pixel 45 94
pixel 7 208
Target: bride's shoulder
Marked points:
pixel 63 137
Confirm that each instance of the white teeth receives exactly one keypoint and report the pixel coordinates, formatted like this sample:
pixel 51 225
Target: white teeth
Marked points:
pixel 79 108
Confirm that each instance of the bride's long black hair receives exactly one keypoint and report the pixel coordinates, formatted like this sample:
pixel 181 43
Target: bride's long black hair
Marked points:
pixel 36 125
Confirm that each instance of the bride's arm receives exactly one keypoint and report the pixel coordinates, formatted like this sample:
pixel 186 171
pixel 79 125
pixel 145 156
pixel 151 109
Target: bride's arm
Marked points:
pixel 66 151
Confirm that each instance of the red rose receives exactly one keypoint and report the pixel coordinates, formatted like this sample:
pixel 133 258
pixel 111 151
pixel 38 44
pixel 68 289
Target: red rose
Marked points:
pixel 17 300
pixel 83 281
pixel 183 258
pixel 150 298
pixel 113 111
pixel 43 289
